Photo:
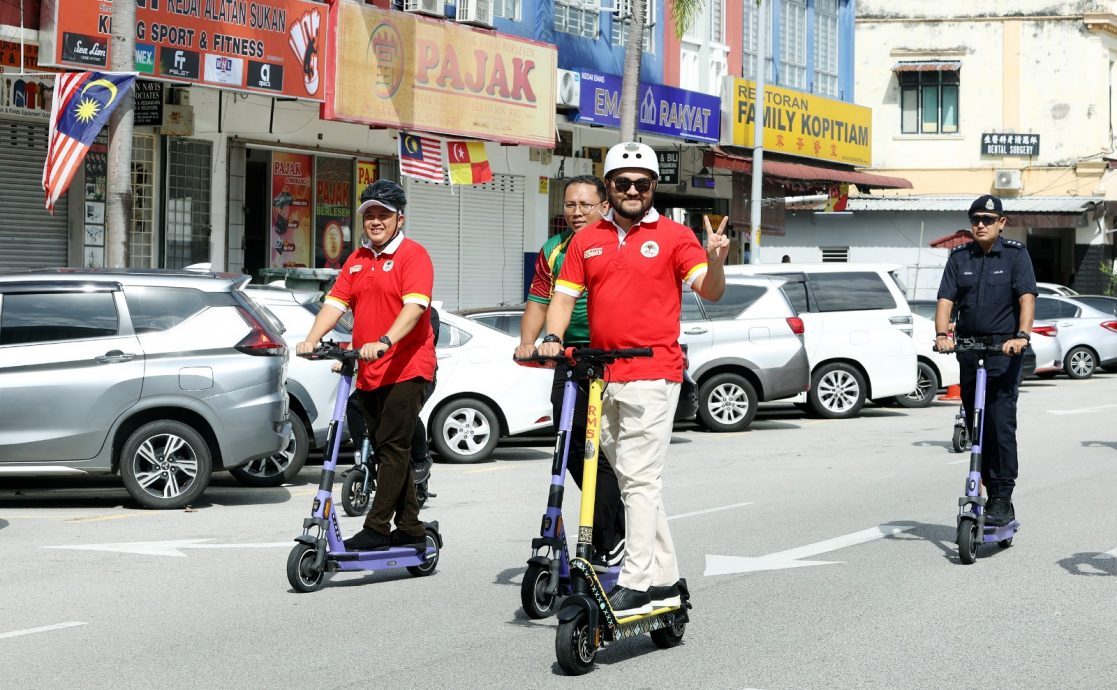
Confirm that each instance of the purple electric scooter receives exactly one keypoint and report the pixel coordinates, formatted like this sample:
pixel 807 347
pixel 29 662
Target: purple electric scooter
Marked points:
pixel 320 549
pixel 972 530
pixel 548 569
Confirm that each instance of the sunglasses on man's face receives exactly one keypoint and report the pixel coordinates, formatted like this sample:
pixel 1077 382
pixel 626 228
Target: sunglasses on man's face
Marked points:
pixel 987 221
pixel 623 184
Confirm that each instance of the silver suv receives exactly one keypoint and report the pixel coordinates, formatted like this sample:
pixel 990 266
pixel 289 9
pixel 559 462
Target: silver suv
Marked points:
pixel 162 376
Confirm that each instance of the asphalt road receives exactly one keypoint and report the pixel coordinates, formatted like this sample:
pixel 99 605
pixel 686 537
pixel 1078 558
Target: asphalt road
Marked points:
pixel 808 598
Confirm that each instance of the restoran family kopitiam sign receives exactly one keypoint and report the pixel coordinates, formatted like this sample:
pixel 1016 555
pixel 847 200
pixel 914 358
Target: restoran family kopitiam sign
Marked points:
pixel 265 46
pixel 403 71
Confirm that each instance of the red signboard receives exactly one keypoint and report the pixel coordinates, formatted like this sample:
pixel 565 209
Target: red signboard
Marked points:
pixel 263 46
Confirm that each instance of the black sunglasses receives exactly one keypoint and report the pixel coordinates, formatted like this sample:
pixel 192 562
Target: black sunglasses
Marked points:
pixel 985 220
pixel 623 184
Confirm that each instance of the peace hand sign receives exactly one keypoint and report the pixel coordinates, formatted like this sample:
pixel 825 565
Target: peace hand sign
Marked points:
pixel 717 243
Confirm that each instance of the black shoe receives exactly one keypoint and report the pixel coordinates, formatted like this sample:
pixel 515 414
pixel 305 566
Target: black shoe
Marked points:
pixel 999 511
pixel 629 602
pixel 367 540
pixel 398 538
pixel 421 471
pixel 665 595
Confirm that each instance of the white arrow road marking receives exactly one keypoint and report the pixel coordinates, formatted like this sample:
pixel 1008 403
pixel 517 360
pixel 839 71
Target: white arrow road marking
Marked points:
pixel 45 628
pixel 728 565
pixel 1084 410
pixel 709 510
pixel 166 548
pixel 1107 555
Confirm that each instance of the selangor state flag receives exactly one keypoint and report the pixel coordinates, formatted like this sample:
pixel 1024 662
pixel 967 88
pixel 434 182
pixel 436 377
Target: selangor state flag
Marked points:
pixel 82 104
pixel 468 162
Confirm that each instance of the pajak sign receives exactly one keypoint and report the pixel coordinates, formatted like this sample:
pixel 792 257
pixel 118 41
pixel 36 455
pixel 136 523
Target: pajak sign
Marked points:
pixel 662 109
pixel 266 46
pixel 403 71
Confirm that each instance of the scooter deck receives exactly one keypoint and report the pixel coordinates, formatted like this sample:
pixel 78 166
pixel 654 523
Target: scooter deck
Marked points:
pixel 995 534
pixel 395 557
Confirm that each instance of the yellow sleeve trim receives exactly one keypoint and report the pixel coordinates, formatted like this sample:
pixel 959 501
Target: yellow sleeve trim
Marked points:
pixel 695 273
pixel 568 288
pixel 336 303
pixel 417 298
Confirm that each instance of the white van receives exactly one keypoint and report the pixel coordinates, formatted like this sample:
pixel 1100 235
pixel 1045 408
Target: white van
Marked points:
pixel 858 331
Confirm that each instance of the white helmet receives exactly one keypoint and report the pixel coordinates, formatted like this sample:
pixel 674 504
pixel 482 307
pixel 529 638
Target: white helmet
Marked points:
pixel 631 154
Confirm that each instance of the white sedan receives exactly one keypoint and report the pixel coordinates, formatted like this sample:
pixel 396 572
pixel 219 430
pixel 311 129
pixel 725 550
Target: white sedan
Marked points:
pixel 935 369
pixel 481 394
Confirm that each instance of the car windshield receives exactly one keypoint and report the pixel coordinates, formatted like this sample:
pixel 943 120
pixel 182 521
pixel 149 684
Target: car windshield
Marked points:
pixel 344 324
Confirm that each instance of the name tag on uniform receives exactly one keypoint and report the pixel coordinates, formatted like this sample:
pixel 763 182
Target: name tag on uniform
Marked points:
pixel 596 251
pixel 967 273
pixel 997 273
pixel 354 268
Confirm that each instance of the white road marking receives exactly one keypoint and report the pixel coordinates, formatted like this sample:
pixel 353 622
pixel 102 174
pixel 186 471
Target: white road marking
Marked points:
pixel 710 510
pixel 167 548
pixel 45 628
pixel 1107 555
pixel 728 565
pixel 1084 410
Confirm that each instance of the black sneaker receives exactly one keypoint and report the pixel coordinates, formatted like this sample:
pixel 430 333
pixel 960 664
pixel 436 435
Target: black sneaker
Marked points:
pixel 367 540
pixel 398 538
pixel 999 511
pixel 665 595
pixel 629 602
pixel 421 471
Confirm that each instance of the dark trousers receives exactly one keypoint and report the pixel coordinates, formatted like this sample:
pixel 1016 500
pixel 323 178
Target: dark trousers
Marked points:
pixel 608 512
pixel 355 418
pixel 999 464
pixel 390 413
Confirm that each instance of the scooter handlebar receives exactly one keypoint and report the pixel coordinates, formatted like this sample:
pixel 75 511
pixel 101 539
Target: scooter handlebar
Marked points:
pixel 582 354
pixel 329 349
pixel 976 346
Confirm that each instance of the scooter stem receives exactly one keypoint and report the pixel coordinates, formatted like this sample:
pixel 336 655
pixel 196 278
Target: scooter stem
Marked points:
pixel 589 468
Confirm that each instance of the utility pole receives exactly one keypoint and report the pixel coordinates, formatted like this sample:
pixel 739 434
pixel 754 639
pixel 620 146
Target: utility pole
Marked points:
pixel 758 134
pixel 118 192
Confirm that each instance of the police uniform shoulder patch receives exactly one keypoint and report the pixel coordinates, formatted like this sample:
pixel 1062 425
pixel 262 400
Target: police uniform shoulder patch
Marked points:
pixel 1013 243
pixel 961 247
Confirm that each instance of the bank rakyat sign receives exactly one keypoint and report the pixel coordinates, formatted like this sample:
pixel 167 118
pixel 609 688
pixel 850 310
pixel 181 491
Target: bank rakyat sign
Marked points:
pixel 662 109
pixel 802 124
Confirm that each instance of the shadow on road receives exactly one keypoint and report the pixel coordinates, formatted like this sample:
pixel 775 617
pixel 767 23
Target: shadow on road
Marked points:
pixel 1100 444
pixel 3 524
pixel 1089 563
pixel 106 491
pixel 949 445
pixel 942 536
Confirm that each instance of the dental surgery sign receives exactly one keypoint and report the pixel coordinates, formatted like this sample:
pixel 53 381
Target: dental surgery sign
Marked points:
pixel 662 109
pixel 400 70
pixel 264 46
pixel 802 124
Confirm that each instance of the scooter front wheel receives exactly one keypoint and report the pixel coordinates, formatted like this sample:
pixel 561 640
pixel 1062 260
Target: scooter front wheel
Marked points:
pixel 968 539
pixel 671 636
pixel 354 497
pixel 533 592
pixel 960 440
pixel 301 573
pixel 574 646
pixel 428 566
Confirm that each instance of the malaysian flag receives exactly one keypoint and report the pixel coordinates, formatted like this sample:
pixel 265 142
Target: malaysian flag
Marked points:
pixel 82 104
pixel 421 157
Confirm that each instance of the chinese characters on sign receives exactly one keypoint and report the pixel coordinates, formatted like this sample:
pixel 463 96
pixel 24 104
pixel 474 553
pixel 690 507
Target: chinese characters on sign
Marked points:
pixel 993 144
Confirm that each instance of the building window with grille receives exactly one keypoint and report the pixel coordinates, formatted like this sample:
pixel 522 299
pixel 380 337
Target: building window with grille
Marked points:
pixel 831 255
pixel 622 19
pixel 793 44
pixel 189 172
pixel 509 9
pixel 578 17
pixel 928 98
pixel 752 37
pixel 826 47
pixel 141 241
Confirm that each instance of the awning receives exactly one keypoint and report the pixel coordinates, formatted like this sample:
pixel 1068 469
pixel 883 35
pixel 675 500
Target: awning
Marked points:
pixel 952 240
pixel 928 66
pixel 716 157
pixel 1027 211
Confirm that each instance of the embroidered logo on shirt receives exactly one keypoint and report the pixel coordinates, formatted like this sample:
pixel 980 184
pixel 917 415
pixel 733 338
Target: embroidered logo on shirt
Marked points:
pixel 649 249
pixel 388 265
pixel 596 251
pixel 997 272
pixel 354 268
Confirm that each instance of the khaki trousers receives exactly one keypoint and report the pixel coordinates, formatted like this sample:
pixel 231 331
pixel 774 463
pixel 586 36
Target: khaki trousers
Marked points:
pixel 635 432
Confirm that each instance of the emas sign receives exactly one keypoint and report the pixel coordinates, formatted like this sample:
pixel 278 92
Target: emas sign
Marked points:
pixel 404 71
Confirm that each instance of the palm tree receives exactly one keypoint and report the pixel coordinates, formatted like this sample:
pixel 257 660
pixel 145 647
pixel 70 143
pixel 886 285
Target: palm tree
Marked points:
pixel 684 12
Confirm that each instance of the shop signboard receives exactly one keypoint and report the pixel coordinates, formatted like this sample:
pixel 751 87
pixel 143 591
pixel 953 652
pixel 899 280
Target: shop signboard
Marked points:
pixel 333 210
pixel 26 89
pixel 801 124
pixel 1001 144
pixel 662 109
pixel 291 212
pixel 265 46
pixel 403 71
pixel 668 166
pixel 148 104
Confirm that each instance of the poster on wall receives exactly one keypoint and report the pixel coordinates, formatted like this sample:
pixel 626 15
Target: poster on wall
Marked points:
pixel 333 211
pixel 96 179
pixel 290 235
pixel 367 173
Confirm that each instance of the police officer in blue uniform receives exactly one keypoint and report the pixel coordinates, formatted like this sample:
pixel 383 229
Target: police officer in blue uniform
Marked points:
pixel 991 285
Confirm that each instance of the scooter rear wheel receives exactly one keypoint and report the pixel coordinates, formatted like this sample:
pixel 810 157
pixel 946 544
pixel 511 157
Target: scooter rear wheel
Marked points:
pixel 671 636
pixel 300 569
pixel 968 539
pixel 960 440
pixel 354 498
pixel 533 592
pixel 574 646
pixel 429 565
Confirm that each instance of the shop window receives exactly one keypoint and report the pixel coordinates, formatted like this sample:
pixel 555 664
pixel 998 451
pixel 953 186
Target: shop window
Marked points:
pixel 826 47
pixel 578 17
pixel 928 101
pixel 793 44
pixel 141 243
pixel 189 173
pixel 509 9
pixel 752 37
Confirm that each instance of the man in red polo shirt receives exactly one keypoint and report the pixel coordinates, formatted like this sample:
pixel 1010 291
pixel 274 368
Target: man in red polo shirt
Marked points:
pixel 387 283
pixel 633 263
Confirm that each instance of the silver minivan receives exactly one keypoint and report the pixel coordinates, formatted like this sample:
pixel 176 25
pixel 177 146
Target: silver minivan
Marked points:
pixel 162 376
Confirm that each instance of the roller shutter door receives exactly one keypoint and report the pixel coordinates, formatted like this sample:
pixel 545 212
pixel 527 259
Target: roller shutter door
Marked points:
pixel 29 236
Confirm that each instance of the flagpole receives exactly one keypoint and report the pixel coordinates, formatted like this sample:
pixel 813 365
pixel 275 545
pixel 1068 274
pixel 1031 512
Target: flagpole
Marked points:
pixel 118 192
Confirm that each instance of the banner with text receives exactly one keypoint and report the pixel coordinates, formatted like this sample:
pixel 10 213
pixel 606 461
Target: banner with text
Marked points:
pixel 264 46
pixel 403 71
pixel 662 110
pixel 802 124
pixel 291 210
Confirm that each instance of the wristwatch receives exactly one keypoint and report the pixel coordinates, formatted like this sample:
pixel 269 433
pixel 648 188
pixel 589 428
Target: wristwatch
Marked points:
pixel 552 338
pixel 385 339
pixel 1024 336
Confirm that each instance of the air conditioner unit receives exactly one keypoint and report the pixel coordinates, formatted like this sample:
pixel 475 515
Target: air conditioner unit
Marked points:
pixel 1007 179
pixel 432 8
pixel 476 12
pixel 569 90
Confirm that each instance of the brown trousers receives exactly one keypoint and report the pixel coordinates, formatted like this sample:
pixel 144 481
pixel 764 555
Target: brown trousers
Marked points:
pixel 390 413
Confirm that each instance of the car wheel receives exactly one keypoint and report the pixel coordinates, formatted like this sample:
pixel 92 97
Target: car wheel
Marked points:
pixel 282 467
pixel 465 430
pixel 165 464
pixel 1080 362
pixel 726 402
pixel 837 391
pixel 926 387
